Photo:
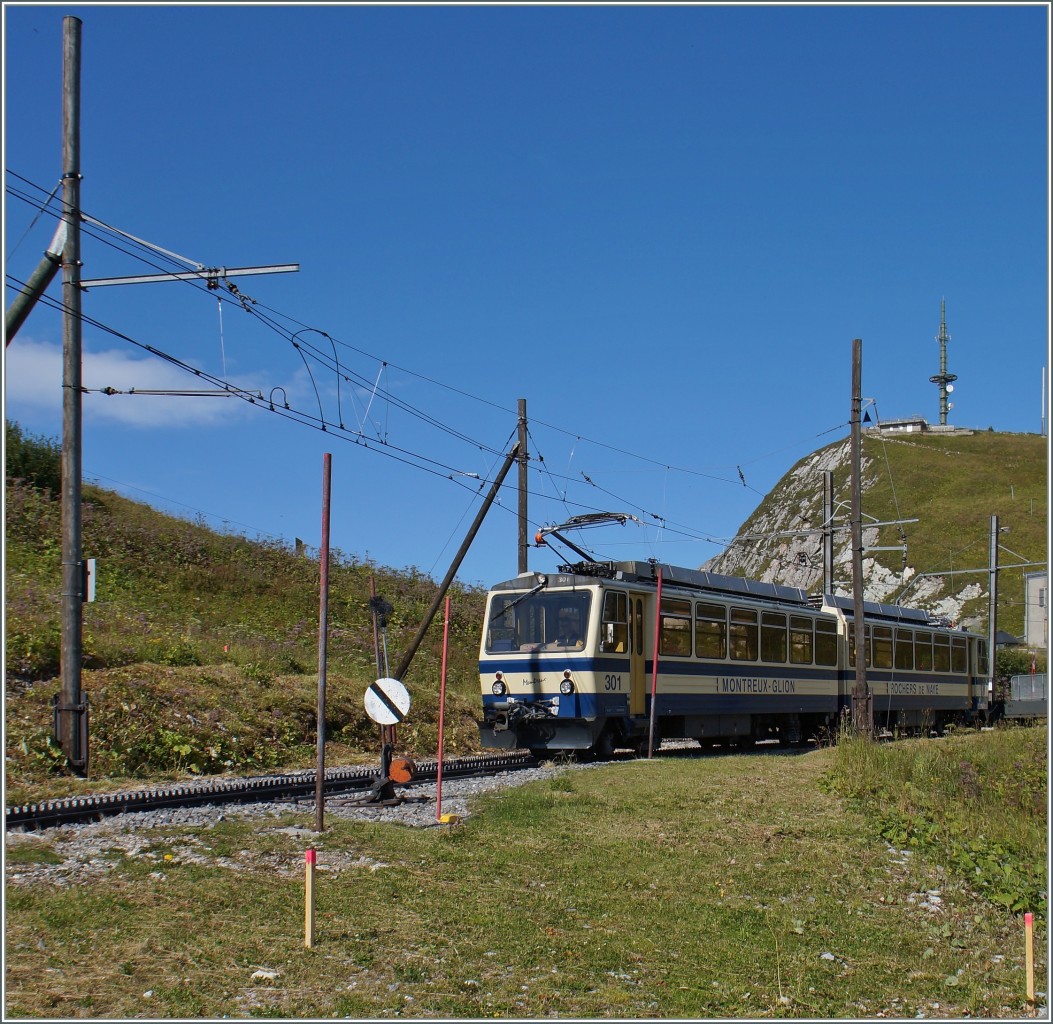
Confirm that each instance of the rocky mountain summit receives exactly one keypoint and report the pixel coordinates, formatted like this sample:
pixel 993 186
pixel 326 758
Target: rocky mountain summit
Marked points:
pixel 941 489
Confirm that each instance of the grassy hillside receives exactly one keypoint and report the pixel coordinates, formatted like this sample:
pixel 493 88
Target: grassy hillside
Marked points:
pixel 951 485
pixel 201 650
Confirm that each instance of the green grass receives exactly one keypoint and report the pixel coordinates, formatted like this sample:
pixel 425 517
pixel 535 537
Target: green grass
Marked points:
pixel 976 801
pixel 736 886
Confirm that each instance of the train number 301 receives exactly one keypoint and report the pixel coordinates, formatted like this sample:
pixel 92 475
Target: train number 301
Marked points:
pixel 611 682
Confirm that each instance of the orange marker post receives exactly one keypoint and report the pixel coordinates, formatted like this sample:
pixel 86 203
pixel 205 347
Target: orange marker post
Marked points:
pixel 308 939
pixel 1029 956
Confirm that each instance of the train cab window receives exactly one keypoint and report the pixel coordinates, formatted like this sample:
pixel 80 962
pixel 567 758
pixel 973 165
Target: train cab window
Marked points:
pixel 923 652
pixel 614 626
pixel 773 637
pixel 941 653
pixel 825 642
pixel 851 626
pixel 882 647
pixel 501 629
pixel 959 661
pixel 675 635
pixel 800 640
pixel 904 649
pixel 570 627
pixel 744 634
pixel 711 631
pixel 638 628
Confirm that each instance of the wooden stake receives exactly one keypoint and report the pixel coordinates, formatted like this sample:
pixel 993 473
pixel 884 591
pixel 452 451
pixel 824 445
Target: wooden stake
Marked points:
pixel 308 939
pixel 1029 956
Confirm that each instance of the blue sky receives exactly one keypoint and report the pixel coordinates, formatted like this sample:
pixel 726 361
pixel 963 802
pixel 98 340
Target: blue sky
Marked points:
pixel 661 226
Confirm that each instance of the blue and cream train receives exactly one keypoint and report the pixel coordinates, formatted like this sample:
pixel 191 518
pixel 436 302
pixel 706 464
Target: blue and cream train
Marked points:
pixel 567 661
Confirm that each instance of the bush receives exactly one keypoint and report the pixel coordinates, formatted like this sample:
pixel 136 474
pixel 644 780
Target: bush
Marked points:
pixel 36 460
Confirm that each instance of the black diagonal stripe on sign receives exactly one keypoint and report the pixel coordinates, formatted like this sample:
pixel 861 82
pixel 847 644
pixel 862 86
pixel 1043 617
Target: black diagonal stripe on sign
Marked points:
pixel 387 702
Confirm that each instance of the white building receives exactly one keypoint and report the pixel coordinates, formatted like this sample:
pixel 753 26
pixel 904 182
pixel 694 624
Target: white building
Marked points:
pixel 1036 615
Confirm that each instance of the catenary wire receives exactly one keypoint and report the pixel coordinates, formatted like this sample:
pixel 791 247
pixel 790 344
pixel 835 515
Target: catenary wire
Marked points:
pixel 251 307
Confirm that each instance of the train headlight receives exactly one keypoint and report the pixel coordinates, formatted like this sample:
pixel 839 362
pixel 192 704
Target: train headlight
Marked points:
pixel 498 689
pixel 566 684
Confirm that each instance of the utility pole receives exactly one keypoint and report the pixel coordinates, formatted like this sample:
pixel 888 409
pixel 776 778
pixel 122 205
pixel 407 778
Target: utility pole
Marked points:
pixel 524 533
pixel 992 611
pixel 862 710
pixel 323 643
pixel 828 532
pixel 71 709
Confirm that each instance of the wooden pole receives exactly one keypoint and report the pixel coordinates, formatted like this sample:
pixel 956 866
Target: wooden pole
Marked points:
pixel 862 710
pixel 992 613
pixel 654 671
pixel 72 630
pixel 323 642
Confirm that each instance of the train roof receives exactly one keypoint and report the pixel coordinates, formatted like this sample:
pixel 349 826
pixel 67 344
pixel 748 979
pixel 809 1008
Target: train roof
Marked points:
pixel 700 579
pixel 712 582
pixel 672 575
pixel 875 610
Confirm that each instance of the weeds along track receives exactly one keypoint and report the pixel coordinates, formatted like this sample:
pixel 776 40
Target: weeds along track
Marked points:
pixel 257 789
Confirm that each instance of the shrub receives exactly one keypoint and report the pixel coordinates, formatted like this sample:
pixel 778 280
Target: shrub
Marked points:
pixel 36 460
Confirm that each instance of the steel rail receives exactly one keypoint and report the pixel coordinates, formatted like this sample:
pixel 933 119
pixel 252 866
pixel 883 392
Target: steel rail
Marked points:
pixel 257 789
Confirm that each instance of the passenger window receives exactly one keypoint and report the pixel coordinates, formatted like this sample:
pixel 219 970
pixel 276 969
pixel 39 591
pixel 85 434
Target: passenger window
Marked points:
pixel 904 649
pixel 800 640
pixel 773 637
pixel 825 642
pixel 675 628
pixel 958 658
pixel 923 652
pixel 743 634
pixel 941 653
pixel 981 658
pixel 882 647
pixel 711 631
pixel 852 643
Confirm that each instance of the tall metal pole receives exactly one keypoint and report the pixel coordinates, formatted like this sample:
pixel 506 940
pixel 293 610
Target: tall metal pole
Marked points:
pixel 992 612
pixel 654 669
pixel 323 642
pixel 524 533
pixel 71 708
pixel 828 532
pixel 862 720
pixel 943 379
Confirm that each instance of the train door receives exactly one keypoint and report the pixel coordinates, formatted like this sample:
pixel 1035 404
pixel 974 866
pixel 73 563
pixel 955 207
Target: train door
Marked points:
pixel 637 657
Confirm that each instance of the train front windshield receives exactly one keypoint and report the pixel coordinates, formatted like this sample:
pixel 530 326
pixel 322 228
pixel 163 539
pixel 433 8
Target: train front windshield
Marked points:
pixel 521 623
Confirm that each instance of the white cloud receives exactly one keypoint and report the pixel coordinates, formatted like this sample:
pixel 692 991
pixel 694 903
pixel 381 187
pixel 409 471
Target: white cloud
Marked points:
pixel 33 381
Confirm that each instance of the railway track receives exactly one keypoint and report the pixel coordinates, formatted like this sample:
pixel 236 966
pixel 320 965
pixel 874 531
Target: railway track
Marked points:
pixel 257 789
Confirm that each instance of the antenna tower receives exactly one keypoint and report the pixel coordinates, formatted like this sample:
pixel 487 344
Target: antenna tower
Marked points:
pixel 943 378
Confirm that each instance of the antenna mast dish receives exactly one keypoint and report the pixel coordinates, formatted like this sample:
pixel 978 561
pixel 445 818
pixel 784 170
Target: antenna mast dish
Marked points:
pixel 943 379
